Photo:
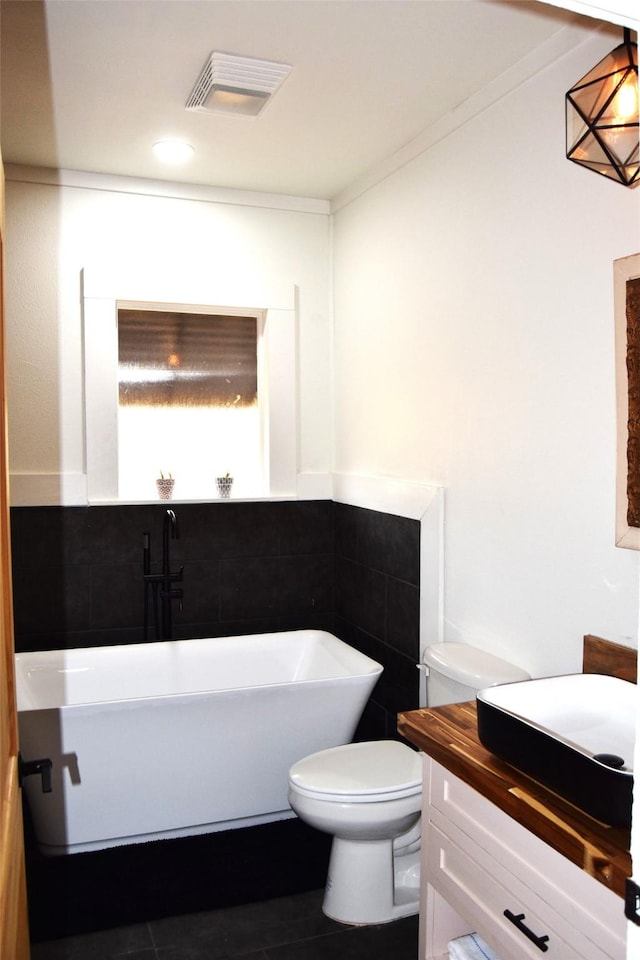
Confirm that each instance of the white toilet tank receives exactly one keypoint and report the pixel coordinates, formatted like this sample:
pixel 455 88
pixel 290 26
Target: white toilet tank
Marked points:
pixel 456 671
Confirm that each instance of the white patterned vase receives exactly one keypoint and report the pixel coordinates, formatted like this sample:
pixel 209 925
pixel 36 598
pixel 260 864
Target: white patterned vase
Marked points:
pixel 224 485
pixel 165 489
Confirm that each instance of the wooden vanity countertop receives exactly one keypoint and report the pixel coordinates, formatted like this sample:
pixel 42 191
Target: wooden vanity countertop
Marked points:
pixel 449 734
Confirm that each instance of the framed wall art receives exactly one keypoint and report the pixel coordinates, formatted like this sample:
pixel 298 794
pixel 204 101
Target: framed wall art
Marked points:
pixel 626 274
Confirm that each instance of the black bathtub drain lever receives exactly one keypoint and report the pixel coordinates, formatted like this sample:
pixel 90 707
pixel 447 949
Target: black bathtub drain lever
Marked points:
pixel 27 768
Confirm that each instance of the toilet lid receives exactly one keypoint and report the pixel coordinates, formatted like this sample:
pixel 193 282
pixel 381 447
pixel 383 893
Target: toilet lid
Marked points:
pixel 379 769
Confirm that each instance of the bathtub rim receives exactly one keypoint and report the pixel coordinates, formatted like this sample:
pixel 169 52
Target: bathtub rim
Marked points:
pixel 375 670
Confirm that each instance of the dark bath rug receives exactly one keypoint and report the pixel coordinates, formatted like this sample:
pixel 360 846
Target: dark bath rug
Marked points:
pixel 85 892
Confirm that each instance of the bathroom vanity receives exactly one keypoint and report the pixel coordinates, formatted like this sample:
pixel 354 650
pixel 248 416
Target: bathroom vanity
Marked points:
pixel 506 857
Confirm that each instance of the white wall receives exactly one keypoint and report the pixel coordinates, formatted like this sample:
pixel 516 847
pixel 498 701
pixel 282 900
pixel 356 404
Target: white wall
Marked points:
pixel 474 348
pixel 56 231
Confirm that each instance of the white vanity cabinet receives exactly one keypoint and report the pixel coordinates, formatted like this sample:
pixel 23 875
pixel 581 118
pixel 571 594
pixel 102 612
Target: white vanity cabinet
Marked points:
pixel 481 866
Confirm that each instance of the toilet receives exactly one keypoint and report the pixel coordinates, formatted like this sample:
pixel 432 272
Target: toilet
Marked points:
pixel 368 796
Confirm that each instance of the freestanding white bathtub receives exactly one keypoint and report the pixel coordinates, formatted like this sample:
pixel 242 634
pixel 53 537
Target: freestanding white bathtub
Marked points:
pixel 159 740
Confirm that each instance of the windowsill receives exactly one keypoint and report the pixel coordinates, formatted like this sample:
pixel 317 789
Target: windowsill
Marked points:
pixel 70 490
pixel 178 501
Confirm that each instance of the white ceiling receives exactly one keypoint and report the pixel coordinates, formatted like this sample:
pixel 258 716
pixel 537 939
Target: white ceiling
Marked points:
pixel 91 84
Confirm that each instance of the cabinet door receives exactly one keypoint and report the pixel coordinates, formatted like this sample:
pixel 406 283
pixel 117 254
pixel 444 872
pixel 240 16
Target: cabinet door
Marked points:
pixel 482 892
pixel 483 863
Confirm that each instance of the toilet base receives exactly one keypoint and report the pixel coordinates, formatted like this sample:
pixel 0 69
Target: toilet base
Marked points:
pixel 367 885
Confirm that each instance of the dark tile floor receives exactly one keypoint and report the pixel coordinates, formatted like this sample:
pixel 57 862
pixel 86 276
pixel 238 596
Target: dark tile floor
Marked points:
pixel 287 928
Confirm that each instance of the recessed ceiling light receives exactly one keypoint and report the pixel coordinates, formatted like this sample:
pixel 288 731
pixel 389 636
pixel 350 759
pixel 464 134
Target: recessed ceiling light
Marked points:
pixel 173 151
pixel 239 86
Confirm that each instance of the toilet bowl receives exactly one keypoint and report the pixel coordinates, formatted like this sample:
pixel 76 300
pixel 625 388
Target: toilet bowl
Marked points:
pixel 368 796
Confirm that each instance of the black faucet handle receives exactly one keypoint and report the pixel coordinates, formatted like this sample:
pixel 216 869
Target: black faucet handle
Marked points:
pixel 27 768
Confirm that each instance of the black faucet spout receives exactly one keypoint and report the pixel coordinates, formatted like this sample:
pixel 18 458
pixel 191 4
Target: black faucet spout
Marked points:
pixel 169 526
pixel 159 585
pixel 167 593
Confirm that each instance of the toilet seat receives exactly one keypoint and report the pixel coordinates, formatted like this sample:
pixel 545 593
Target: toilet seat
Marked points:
pixel 370 772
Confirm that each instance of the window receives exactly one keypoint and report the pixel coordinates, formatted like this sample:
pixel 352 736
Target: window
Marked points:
pixel 188 402
pixel 270 470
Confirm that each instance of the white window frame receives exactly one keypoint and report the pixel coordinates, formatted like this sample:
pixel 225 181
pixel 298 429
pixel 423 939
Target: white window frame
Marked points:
pixel 274 305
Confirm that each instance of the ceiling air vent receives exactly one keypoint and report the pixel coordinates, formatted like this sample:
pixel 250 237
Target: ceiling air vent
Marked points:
pixel 234 85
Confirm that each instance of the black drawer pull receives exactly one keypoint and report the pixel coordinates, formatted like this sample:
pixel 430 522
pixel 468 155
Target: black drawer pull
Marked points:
pixel 516 920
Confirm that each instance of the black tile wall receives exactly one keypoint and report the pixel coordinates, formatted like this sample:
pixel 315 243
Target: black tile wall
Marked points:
pixel 248 568
pixel 377 606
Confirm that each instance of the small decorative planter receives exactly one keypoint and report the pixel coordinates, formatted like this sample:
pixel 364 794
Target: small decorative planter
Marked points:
pixel 224 485
pixel 165 488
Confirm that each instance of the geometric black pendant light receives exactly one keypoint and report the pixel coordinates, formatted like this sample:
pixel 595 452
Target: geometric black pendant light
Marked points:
pixel 603 132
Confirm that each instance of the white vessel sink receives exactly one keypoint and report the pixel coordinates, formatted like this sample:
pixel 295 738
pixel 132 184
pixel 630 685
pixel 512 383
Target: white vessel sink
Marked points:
pixel 575 734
